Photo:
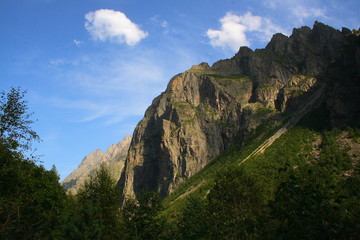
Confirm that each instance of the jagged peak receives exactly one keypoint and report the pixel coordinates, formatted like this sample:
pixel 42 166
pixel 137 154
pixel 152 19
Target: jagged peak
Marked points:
pixel 113 158
pixel 201 66
pixel 276 42
pixel 304 30
pixel 90 156
pixel 124 142
pixel 244 51
pixel 320 25
pixel 111 151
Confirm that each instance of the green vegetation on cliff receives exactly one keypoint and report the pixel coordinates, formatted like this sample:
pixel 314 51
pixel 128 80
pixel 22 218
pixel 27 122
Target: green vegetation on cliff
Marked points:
pixel 301 187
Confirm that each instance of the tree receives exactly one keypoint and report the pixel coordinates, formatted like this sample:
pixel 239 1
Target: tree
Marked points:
pixel 316 203
pixel 235 206
pixel 15 121
pixel 141 217
pixel 332 156
pixel 98 209
pixel 193 221
pixel 31 198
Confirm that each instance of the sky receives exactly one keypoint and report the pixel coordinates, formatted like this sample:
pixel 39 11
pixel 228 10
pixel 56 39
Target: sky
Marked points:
pixel 92 67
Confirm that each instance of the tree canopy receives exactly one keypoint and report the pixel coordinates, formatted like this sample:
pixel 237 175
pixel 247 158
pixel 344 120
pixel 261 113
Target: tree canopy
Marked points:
pixel 15 121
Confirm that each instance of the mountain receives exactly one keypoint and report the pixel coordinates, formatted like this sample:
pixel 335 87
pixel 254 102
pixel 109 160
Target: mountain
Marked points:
pixel 204 110
pixel 113 158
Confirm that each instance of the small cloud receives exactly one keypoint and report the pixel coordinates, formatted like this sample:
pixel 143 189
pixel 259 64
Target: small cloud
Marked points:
pixel 299 10
pixel 65 62
pixel 270 4
pixel 306 12
pixel 232 33
pixel 57 62
pixel 106 24
pixel 157 21
pixel 164 24
pixel 77 42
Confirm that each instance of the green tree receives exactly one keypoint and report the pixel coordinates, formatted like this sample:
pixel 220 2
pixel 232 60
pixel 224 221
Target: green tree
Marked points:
pixel 235 206
pixel 332 156
pixel 316 204
pixel 31 199
pixel 349 207
pixel 193 220
pixel 141 218
pixel 15 121
pixel 98 209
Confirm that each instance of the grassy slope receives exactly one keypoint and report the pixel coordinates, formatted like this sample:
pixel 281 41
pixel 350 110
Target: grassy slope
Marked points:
pixel 293 149
pixel 201 183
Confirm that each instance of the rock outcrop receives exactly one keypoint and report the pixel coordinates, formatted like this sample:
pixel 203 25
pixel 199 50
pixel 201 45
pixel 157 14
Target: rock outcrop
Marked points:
pixel 113 159
pixel 205 108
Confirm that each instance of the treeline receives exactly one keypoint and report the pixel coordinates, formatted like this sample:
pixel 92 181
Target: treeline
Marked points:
pixel 313 204
pixel 290 192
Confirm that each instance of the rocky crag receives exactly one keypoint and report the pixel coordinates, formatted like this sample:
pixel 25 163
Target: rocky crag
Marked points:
pixel 204 109
pixel 113 159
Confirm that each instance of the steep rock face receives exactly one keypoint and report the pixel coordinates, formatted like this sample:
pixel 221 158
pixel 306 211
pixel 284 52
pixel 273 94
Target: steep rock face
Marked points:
pixel 205 108
pixel 113 159
pixel 343 94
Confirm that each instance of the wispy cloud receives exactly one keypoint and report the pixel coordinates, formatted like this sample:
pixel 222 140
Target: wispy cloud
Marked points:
pixel 106 75
pixel 93 110
pixel 158 21
pixel 107 24
pixel 110 86
pixel 61 62
pixel 234 28
pixel 300 10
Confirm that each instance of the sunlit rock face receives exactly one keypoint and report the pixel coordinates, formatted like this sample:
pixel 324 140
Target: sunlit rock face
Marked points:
pixel 113 159
pixel 203 110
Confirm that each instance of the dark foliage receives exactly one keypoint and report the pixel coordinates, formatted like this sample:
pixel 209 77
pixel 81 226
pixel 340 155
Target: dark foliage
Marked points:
pixel 15 121
pixel 141 218
pixel 96 210
pixel 31 199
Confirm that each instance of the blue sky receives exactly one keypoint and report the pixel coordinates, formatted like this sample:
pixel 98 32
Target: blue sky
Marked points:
pixel 92 67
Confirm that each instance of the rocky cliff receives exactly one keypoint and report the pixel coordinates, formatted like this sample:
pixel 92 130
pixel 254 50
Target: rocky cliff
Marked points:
pixel 205 108
pixel 113 158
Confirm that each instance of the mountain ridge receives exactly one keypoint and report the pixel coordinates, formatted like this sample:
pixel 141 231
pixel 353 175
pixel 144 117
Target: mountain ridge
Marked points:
pixel 205 108
pixel 113 158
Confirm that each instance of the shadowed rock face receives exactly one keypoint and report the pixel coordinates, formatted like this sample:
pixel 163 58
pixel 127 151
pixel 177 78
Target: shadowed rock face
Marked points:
pixel 113 159
pixel 205 108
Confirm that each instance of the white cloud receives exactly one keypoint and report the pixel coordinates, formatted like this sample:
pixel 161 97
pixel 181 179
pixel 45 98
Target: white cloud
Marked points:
pixel 115 85
pixel 110 109
pixel 77 42
pixel 61 62
pixel 164 24
pixel 93 110
pixel 233 30
pixel 108 75
pixel 109 87
pixel 106 24
pixel 270 4
pixel 158 21
pixel 300 10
